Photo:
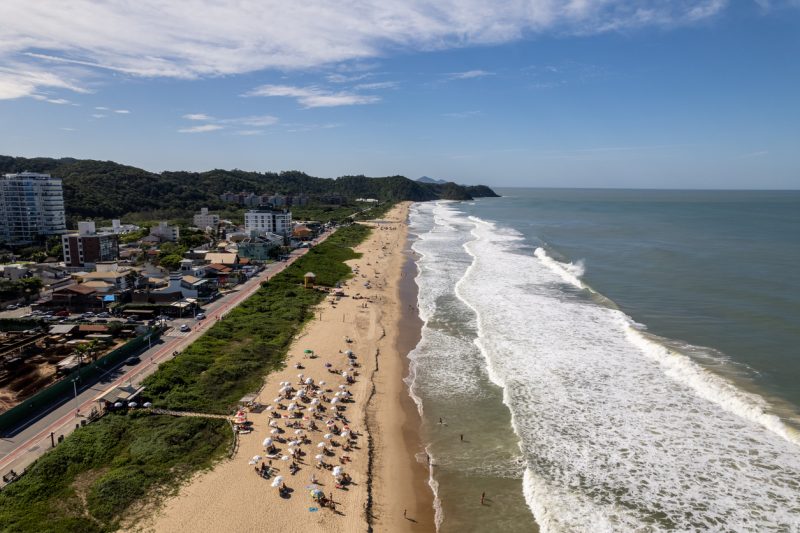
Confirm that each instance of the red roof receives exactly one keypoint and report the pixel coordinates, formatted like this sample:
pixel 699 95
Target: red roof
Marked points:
pixel 219 268
pixel 78 289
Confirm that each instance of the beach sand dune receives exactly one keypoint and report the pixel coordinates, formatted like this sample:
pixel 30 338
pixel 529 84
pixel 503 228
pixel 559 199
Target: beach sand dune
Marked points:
pixel 233 496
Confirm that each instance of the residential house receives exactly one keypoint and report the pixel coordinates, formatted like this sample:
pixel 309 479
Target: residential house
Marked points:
pixel 165 232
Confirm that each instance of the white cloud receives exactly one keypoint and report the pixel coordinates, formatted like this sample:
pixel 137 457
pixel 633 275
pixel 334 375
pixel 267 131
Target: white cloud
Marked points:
pixel 469 74
pixel 122 111
pixel 197 116
pixel 257 121
pixel 201 129
pixel 101 108
pixel 67 129
pixel 376 86
pixel 462 114
pixel 40 41
pixel 249 132
pixel 314 96
pixel 98 115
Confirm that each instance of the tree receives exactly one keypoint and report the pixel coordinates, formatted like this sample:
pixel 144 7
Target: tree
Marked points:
pixel 171 262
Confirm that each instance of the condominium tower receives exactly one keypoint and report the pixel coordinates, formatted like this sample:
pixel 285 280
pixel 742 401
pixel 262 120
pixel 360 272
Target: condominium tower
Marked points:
pixel 31 205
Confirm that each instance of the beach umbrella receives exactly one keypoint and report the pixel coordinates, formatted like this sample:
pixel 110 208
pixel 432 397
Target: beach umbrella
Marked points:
pixel 118 405
pixel 321 445
pixel 343 387
pixel 275 431
pixel 285 458
pixel 132 404
pixel 322 383
pixel 290 450
pixel 309 381
pixel 335 400
pixel 267 441
pixel 269 408
pixel 298 431
pixel 147 404
pixel 344 433
pixel 276 400
pixel 327 436
pixel 317 494
pixel 348 352
pixel 314 401
pixel 292 406
pixel 338 471
pixel 319 457
pixel 277 481
pixel 273 424
pixel 300 376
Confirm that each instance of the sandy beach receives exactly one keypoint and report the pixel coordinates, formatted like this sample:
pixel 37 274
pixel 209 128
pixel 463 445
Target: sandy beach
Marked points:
pixel 384 485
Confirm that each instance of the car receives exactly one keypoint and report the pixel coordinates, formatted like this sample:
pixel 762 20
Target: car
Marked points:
pixel 185 327
pixel 101 321
pixel 104 315
pixel 130 361
pixel 13 306
pixel 200 316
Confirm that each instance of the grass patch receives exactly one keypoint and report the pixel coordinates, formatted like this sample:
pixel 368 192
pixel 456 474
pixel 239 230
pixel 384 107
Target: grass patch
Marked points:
pixel 86 482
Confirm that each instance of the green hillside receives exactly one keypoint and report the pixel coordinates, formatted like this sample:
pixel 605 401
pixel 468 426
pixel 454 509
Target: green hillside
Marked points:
pixel 105 189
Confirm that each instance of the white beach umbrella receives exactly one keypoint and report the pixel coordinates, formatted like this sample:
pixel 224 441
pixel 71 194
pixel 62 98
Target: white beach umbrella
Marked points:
pixel 292 406
pixel 300 376
pixel 269 408
pixel 344 434
pixel 337 471
pixel 273 424
pixel 309 381
pixel 285 458
pixel 314 401
pixel 343 387
pixel 348 352
pixel 276 400
pixel 298 431
pixel 267 441
pixel 290 450
pixel 277 481
pixel 322 383
pixel 344 374
pixel 319 457
pixel 147 404
pixel 335 400
pixel 327 435
pixel 275 431
pixel 321 445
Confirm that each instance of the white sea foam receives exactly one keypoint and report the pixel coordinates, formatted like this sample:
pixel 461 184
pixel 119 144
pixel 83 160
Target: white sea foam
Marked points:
pixel 618 434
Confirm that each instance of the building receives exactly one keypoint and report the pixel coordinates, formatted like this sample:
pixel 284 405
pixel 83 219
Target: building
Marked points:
pixel 165 232
pixel 268 220
pixel 31 206
pixel 87 247
pixel 205 219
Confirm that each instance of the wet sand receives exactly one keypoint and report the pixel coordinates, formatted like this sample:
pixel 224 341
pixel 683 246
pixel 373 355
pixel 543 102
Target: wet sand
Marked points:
pixel 387 478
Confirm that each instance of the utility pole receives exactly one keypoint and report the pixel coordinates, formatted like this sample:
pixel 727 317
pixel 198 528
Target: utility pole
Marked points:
pixel 75 389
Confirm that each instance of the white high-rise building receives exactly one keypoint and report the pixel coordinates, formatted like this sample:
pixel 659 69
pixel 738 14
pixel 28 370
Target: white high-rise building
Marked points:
pixel 269 221
pixel 31 205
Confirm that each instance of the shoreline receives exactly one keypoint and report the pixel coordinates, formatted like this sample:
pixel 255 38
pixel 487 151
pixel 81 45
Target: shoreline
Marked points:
pixel 231 497
pixel 400 439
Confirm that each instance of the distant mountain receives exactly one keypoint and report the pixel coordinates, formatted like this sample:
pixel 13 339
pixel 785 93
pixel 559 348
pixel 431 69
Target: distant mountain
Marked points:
pixel 426 179
pixel 105 189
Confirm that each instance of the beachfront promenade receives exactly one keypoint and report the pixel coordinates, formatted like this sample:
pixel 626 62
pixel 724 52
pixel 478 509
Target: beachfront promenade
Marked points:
pixel 19 451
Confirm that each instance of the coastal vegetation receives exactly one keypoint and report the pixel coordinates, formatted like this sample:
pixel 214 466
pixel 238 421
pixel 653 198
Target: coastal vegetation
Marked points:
pixel 89 482
pixel 105 189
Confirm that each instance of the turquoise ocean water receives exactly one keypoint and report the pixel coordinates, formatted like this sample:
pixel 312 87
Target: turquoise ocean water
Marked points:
pixel 615 360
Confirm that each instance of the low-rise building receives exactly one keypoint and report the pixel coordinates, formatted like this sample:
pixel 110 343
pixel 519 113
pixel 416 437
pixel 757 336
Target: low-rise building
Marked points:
pixel 87 247
pixel 165 232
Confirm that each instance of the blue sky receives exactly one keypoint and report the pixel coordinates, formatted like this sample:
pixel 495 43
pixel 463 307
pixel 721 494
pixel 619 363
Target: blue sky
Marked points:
pixel 574 93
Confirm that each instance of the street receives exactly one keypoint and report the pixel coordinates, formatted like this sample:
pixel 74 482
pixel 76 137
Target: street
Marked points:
pixel 19 451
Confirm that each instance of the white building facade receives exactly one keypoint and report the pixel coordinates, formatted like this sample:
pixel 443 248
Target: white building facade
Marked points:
pixel 269 221
pixel 165 232
pixel 31 205
pixel 205 219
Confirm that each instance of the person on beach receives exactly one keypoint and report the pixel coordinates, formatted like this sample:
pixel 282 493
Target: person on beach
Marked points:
pixel 462 438
pixel 483 496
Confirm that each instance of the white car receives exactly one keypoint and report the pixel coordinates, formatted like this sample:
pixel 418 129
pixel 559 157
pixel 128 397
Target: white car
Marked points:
pixel 185 327
pixel 200 316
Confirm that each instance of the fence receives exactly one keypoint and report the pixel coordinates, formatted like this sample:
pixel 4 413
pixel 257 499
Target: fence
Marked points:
pixel 64 388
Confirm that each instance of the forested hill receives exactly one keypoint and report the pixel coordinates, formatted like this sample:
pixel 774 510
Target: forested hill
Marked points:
pixel 105 189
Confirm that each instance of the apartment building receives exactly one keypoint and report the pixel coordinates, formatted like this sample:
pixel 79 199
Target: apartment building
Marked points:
pixel 31 206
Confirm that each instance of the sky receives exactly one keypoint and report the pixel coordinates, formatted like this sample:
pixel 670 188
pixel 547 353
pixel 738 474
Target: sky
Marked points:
pixel 530 93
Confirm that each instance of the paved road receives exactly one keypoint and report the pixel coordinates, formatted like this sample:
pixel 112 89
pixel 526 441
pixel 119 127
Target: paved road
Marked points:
pixel 19 451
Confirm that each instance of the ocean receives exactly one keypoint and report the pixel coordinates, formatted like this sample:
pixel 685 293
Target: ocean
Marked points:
pixel 610 360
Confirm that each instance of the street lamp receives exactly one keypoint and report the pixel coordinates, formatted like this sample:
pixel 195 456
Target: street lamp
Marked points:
pixel 75 389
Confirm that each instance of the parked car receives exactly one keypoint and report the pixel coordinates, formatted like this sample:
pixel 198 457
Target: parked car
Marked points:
pixel 200 316
pixel 104 315
pixel 185 327
pixel 130 361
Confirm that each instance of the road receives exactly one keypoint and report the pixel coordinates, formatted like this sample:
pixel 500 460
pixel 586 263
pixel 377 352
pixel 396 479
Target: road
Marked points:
pixel 19 451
